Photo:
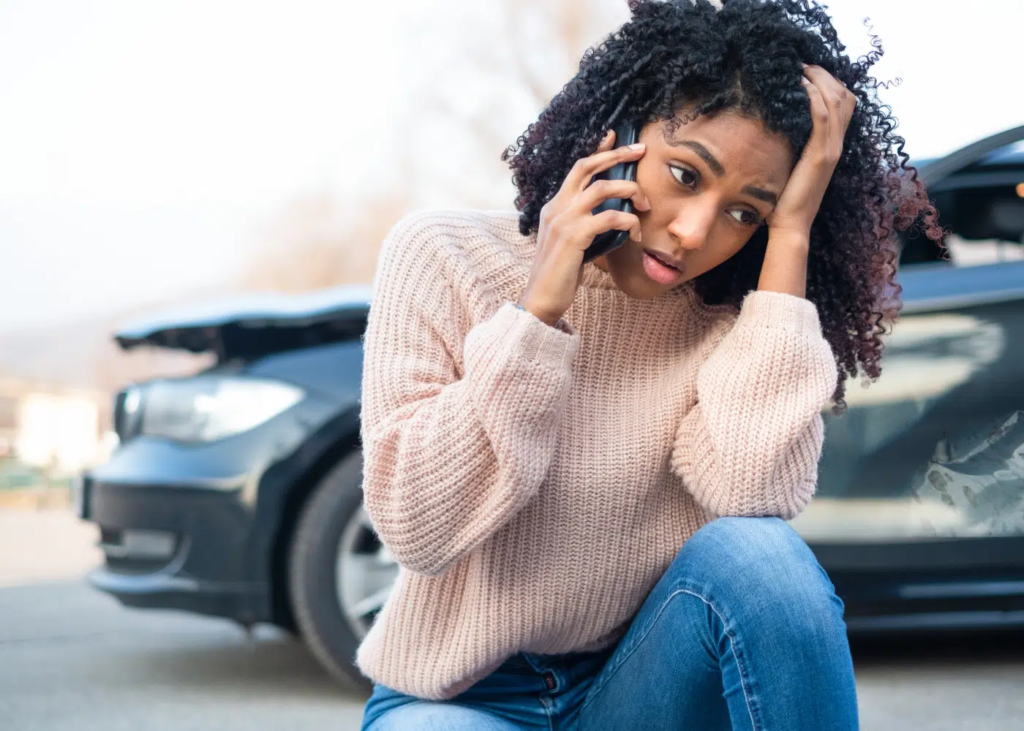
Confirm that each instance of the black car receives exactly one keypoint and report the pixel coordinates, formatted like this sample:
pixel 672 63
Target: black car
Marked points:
pixel 236 492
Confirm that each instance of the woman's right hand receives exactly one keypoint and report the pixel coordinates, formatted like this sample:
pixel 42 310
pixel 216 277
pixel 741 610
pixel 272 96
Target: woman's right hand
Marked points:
pixel 568 226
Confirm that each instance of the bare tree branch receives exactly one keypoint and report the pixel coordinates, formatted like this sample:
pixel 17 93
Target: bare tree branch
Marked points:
pixel 318 241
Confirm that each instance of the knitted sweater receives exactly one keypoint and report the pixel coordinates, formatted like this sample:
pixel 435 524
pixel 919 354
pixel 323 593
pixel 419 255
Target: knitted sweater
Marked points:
pixel 534 482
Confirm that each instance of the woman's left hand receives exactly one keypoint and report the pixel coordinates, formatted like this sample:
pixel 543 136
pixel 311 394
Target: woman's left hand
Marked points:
pixel 832 106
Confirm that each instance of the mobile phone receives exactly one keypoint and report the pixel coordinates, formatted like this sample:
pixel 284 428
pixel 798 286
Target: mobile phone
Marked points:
pixel 626 133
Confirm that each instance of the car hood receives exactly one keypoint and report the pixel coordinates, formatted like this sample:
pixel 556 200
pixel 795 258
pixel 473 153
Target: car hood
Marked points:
pixel 254 324
pixel 990 151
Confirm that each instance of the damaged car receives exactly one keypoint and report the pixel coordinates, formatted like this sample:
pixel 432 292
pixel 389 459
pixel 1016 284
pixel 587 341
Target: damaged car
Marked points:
pixel 236 492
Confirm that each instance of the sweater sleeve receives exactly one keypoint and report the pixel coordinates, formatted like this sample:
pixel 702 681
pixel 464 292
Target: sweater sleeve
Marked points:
pixel 751 444
pixel 450 457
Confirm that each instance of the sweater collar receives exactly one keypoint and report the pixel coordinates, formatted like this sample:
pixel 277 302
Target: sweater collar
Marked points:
pixel 595 277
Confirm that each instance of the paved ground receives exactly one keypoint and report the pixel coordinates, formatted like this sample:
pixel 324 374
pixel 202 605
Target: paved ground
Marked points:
pixel 73 659
pixel 45 545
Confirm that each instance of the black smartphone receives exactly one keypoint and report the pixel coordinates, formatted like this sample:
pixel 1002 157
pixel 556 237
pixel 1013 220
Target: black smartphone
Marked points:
pixel 626 133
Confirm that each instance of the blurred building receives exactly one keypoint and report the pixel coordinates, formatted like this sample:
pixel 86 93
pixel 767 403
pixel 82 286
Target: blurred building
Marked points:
pixel 56 430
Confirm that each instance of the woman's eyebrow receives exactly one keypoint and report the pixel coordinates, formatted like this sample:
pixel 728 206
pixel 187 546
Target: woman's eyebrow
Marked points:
pixel 705 155
pixel 761 194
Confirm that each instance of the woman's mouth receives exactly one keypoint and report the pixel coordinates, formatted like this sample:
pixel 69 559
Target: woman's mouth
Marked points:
pixel 660 272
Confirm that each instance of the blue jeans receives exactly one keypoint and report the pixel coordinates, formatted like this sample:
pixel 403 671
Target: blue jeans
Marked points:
pixel 743 631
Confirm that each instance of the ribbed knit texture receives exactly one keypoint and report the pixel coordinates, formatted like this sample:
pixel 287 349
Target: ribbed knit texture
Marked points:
pixel 534 482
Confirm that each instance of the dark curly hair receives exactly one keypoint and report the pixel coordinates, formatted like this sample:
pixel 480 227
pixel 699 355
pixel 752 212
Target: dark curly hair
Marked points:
pixel 746 57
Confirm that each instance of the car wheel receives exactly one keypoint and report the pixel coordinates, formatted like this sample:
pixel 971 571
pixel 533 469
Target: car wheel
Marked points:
pixel 340 573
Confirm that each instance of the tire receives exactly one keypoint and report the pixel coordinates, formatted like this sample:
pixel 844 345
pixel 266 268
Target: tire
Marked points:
pixel 333 557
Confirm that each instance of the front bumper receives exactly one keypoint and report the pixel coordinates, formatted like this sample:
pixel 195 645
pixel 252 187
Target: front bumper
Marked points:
pixel 190 526
pixel 195 555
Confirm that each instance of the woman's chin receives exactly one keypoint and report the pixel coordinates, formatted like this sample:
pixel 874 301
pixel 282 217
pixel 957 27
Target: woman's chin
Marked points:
pixel 637 287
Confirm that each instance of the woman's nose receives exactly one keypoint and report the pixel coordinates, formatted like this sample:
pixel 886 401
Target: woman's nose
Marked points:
pixel 692 225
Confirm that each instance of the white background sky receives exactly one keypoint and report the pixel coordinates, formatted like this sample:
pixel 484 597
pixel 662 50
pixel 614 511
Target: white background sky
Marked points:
pixel 145 143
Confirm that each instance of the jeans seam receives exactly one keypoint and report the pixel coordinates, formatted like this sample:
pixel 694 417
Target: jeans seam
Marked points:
pixel 732 646
pixel 540 700
pixel 592 693
pixel 547 713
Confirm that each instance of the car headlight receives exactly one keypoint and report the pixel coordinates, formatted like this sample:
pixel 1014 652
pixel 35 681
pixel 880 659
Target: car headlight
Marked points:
pixel 127 414
pixel 206 408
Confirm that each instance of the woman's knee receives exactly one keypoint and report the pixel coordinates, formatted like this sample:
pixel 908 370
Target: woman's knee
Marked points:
pixel 758 560
pixel 742 539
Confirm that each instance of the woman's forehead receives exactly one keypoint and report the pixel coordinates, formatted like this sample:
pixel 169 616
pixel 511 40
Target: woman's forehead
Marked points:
pixel 731 144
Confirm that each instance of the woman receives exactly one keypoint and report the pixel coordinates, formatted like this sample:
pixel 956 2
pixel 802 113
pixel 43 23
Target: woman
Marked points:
pixel 584 469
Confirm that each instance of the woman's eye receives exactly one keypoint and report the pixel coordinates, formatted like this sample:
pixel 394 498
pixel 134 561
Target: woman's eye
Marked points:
pixel 685 176
pixel 745 217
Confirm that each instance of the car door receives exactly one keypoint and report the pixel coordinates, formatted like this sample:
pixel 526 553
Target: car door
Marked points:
pixel 921 481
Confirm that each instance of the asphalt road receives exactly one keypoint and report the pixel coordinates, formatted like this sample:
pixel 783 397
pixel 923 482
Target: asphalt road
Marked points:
pixel 73 659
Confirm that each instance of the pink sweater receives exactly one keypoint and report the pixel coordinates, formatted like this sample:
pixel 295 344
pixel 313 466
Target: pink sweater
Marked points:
pixel 534 482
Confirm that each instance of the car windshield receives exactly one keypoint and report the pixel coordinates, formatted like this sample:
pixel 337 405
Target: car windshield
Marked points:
pixel 982 208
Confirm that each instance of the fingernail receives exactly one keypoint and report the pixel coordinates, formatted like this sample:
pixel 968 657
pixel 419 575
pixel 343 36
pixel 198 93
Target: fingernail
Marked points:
pixel 637 146
pixel 805 81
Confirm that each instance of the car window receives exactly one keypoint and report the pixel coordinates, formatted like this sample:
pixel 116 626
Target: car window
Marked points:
pixel 982 210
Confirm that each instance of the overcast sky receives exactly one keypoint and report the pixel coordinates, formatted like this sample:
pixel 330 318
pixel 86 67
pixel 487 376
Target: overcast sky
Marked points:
pixel 145 143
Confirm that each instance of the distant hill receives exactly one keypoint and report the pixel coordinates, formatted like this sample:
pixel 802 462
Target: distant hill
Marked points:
pixel 63 354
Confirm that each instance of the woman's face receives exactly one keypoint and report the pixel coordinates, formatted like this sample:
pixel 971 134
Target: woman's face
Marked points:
pixel 710 186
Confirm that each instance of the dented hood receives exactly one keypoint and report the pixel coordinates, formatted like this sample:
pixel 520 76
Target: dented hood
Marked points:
pixel 254 324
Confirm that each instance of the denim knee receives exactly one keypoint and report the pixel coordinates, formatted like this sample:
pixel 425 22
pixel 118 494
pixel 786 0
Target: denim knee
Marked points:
pixel 759 562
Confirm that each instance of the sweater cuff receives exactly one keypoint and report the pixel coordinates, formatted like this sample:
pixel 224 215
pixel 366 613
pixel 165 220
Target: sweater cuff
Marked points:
pixel 779 310
pixel 535 340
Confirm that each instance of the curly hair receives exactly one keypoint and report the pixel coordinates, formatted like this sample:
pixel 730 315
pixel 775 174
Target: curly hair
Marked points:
pixel 746 57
